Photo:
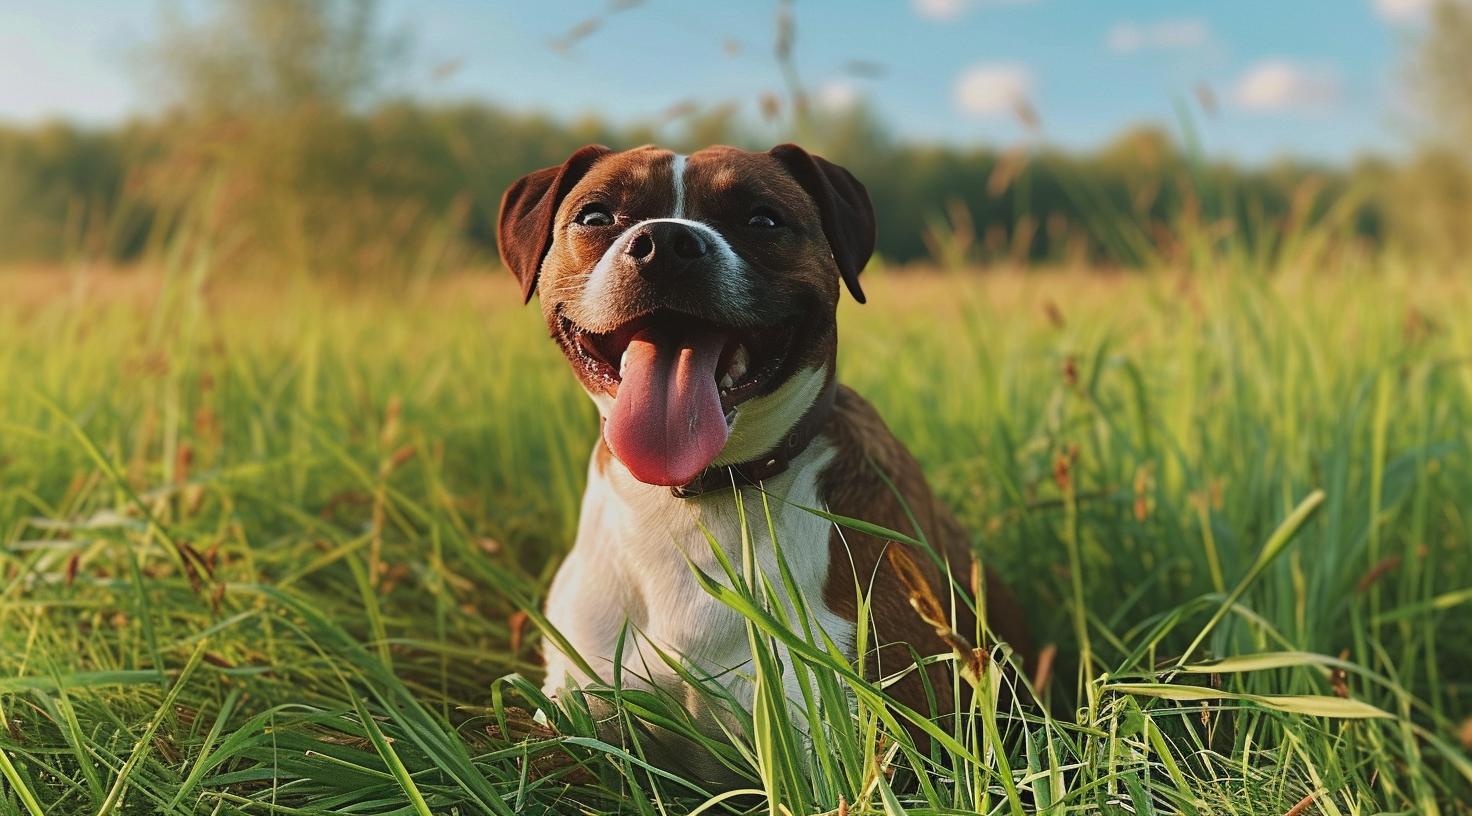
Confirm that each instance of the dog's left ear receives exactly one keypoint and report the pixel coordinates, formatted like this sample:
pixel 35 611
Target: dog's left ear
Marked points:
pixel 848 215
pixel 524 225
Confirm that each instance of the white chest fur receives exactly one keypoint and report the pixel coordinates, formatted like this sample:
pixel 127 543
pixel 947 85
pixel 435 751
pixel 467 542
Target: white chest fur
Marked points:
pixel 628 568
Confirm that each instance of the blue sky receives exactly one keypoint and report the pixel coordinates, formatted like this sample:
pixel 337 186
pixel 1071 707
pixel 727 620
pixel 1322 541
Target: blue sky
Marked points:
pixel 1314 78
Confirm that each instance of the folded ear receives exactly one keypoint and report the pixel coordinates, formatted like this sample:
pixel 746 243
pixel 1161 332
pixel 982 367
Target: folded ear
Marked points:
pixel 524 226
pixel 848 215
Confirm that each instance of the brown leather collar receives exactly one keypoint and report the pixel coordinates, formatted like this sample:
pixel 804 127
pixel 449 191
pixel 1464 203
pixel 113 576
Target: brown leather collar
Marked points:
pixel 752 472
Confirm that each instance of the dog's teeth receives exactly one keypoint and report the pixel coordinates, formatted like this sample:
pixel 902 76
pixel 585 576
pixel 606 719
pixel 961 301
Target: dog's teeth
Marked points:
pixel 739 360
pixel 623 362
pixel 726 381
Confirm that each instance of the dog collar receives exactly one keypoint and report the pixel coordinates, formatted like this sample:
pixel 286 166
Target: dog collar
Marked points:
pixel 754 471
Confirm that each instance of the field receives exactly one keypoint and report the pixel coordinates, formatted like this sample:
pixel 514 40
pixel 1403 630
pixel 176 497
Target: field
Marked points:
pixel 278 548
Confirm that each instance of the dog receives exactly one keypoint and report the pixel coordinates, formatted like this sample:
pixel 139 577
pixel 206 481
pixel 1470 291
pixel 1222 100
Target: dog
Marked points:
pixel 695 300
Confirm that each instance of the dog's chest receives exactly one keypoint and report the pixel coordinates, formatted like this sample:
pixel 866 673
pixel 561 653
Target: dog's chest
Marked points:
pixel 632 566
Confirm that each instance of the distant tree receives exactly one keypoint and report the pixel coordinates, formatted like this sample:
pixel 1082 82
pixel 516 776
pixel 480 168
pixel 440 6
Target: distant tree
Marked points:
pixel 268 142
pixel 276 57
pixel 1442 74
pixel 1433 191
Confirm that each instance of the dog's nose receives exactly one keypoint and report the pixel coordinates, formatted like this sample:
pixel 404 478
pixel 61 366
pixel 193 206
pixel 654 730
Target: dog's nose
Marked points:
pixel 665 249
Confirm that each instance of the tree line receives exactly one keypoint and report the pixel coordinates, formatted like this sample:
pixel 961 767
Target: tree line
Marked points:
pixel 280 147
pixel 337 188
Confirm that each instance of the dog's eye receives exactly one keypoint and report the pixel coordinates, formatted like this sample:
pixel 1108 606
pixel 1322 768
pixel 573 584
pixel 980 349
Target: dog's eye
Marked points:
pixel 763 217
pixel 595 215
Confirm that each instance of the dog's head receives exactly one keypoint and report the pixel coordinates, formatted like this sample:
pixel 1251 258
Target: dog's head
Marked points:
pixel 693 295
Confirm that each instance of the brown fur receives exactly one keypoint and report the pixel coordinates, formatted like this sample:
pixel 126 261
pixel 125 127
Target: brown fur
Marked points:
pixel 722 185
pixel 853 486
pixel 827 235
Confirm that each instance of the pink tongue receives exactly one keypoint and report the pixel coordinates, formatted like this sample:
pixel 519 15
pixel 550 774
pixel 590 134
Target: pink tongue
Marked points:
pixel 667 424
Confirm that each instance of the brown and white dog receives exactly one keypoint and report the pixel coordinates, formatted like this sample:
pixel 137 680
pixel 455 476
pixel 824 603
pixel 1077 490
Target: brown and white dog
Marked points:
pixel 695 298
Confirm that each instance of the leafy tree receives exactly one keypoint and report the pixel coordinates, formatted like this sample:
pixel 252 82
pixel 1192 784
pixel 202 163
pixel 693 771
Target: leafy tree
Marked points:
pixel 273 57
pixel 1434 190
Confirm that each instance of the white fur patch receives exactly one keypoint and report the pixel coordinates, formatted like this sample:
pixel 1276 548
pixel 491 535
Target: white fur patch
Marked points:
pixel 677 170
pixel 628 568
pixel 730 295
pixel 761 422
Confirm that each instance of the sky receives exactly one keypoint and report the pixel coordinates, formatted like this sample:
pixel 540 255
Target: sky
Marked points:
pixel 1317 79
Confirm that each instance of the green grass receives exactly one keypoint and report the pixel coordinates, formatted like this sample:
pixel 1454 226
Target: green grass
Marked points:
pixel 271 550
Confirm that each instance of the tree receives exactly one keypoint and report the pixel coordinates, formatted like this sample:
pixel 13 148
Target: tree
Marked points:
pixel 1433 191
pixel 1442 74
pixel 267 132
pixel 273 57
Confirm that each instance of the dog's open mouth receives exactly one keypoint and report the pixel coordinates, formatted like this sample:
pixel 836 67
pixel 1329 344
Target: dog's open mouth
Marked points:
pixel 675 380
pixel 747 359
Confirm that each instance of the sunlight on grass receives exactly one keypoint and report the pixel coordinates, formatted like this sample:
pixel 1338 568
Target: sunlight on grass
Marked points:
pixel 281 549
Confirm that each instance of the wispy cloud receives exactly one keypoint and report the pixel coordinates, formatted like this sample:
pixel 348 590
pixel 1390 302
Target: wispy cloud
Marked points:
pixel 1280 85
pixel 992 89
pixel 948 10
pixel 837 96
pixel 1160 35
pixel 1403 11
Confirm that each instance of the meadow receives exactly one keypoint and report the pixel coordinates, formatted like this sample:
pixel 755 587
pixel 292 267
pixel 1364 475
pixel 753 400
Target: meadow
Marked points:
pixel 277 547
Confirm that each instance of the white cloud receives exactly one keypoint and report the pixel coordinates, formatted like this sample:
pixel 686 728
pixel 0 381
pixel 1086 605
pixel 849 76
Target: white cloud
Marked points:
pixel 1402 11
pixel 837 96
pixel 992 89
pixel 947 10
pixel 1161 35
pixel 943 10
pixel 1278 85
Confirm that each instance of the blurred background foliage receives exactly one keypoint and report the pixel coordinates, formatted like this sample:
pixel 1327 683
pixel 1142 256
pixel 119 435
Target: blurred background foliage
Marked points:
pixel 282 138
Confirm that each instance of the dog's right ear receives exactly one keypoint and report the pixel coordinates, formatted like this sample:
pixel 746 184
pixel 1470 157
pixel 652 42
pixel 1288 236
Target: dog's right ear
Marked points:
pixel 524 225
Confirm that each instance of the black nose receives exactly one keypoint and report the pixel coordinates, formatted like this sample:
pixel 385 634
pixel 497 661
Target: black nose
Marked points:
pixel 665 248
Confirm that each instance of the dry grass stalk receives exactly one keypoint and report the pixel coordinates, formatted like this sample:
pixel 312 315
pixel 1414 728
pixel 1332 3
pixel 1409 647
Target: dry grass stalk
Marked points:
pixel 1303 805
pixel 1380 570
pixel 1044 673
pixel 929 608
pixel 1006 171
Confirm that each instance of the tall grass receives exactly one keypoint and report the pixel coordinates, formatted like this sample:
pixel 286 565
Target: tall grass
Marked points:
pixel 281 550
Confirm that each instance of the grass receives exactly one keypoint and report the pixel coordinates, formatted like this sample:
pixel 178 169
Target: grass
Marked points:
pixel 279 549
